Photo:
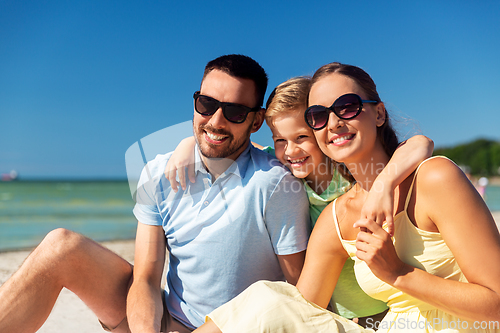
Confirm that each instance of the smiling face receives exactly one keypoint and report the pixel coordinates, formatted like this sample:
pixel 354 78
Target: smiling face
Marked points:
pixel 295 145
pixel 215 135
pixel 346 140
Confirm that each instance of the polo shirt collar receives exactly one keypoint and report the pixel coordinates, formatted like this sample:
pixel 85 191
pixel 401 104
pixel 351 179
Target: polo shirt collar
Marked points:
pixel 238 167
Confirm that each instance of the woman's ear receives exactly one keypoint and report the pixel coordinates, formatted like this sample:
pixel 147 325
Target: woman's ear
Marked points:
pixel 381 114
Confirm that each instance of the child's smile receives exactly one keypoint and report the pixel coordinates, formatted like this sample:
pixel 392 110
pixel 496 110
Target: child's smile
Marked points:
pixel 295 145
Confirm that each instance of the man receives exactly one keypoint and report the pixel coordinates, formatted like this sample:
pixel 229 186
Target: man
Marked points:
pixel 224 232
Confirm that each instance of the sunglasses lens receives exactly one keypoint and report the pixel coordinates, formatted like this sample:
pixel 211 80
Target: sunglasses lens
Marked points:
pixel 235 113
pixel 317 116
pixel 206 105
pixel 347 106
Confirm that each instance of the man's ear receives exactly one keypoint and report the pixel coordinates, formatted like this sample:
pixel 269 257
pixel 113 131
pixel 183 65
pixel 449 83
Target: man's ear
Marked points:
pixel 258 120
pixel 381 114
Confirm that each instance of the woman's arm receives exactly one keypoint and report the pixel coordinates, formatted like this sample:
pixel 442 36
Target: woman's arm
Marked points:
pixel 444 199
pixel 325 258
pixel 379 204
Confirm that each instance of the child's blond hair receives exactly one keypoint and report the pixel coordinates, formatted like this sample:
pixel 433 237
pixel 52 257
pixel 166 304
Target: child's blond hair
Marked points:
pixel 288 98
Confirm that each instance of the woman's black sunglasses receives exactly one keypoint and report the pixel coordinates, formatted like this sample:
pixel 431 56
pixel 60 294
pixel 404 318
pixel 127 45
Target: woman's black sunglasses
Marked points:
pixel 235 113
pixel 347 106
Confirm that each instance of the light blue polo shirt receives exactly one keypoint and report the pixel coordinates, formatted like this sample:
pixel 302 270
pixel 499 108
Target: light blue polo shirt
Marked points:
pixel 224 235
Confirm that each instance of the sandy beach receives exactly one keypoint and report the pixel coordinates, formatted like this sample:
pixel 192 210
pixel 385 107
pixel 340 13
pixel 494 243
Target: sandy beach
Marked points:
pixel 70 314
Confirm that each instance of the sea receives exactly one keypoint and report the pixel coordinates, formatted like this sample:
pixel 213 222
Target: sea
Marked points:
pixel 101 210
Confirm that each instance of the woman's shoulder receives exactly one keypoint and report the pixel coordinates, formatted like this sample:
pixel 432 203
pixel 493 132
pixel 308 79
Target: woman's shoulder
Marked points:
pixel 329 211
pixel 325 230
pixel 440 187
pixel 438 171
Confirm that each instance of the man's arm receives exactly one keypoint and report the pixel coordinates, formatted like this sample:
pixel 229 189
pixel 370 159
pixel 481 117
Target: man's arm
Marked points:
pixel 288 223
pixel 144 301
pixel 291 265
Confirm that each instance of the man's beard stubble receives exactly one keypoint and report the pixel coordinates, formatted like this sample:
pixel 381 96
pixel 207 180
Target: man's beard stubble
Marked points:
pixel 211 151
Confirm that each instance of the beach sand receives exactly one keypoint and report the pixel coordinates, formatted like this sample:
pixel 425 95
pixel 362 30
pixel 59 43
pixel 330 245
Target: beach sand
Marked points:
pixel 70 314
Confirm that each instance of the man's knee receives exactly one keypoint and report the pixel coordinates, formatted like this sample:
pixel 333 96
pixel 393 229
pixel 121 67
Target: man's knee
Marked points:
pixel 62 246
pixel 62 241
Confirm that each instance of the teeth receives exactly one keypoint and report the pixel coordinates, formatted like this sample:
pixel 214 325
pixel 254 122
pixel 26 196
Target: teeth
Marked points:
pixel 342 138
pixel 298 161
pixel 215 137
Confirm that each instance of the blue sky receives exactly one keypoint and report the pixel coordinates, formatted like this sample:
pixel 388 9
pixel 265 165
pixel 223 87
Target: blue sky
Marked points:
pixel 82 81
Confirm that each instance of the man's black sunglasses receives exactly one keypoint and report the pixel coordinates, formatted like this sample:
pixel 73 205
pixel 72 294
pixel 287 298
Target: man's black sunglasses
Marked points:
pixel 235 113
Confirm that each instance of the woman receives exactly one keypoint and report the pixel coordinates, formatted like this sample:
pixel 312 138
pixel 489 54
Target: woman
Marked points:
pixel 433 273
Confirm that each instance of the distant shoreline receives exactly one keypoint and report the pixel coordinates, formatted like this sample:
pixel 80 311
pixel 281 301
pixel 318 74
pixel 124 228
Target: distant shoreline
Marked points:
pixel 31 248
pixel 66 180
pixel 494 181
pixel 495 214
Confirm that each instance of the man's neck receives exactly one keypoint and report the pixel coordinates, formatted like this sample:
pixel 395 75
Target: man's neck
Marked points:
pixel 216 166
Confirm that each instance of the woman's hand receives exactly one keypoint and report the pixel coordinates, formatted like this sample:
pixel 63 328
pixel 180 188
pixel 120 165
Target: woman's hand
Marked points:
pixel 375 247
pixel 182 157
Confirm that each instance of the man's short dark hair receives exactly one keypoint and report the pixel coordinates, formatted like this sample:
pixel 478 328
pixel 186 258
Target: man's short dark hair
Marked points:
pixel 244 67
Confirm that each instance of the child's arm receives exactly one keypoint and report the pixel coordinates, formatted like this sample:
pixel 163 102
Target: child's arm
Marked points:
pixel 182 157
pixel 256 145
pixel 379 205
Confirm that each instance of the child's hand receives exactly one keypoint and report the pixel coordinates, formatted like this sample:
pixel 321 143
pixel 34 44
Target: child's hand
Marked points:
pixel 379 206
pixel 182 157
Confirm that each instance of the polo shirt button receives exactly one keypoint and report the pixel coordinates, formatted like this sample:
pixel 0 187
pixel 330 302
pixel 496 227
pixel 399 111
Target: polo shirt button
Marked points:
pixel 205 203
